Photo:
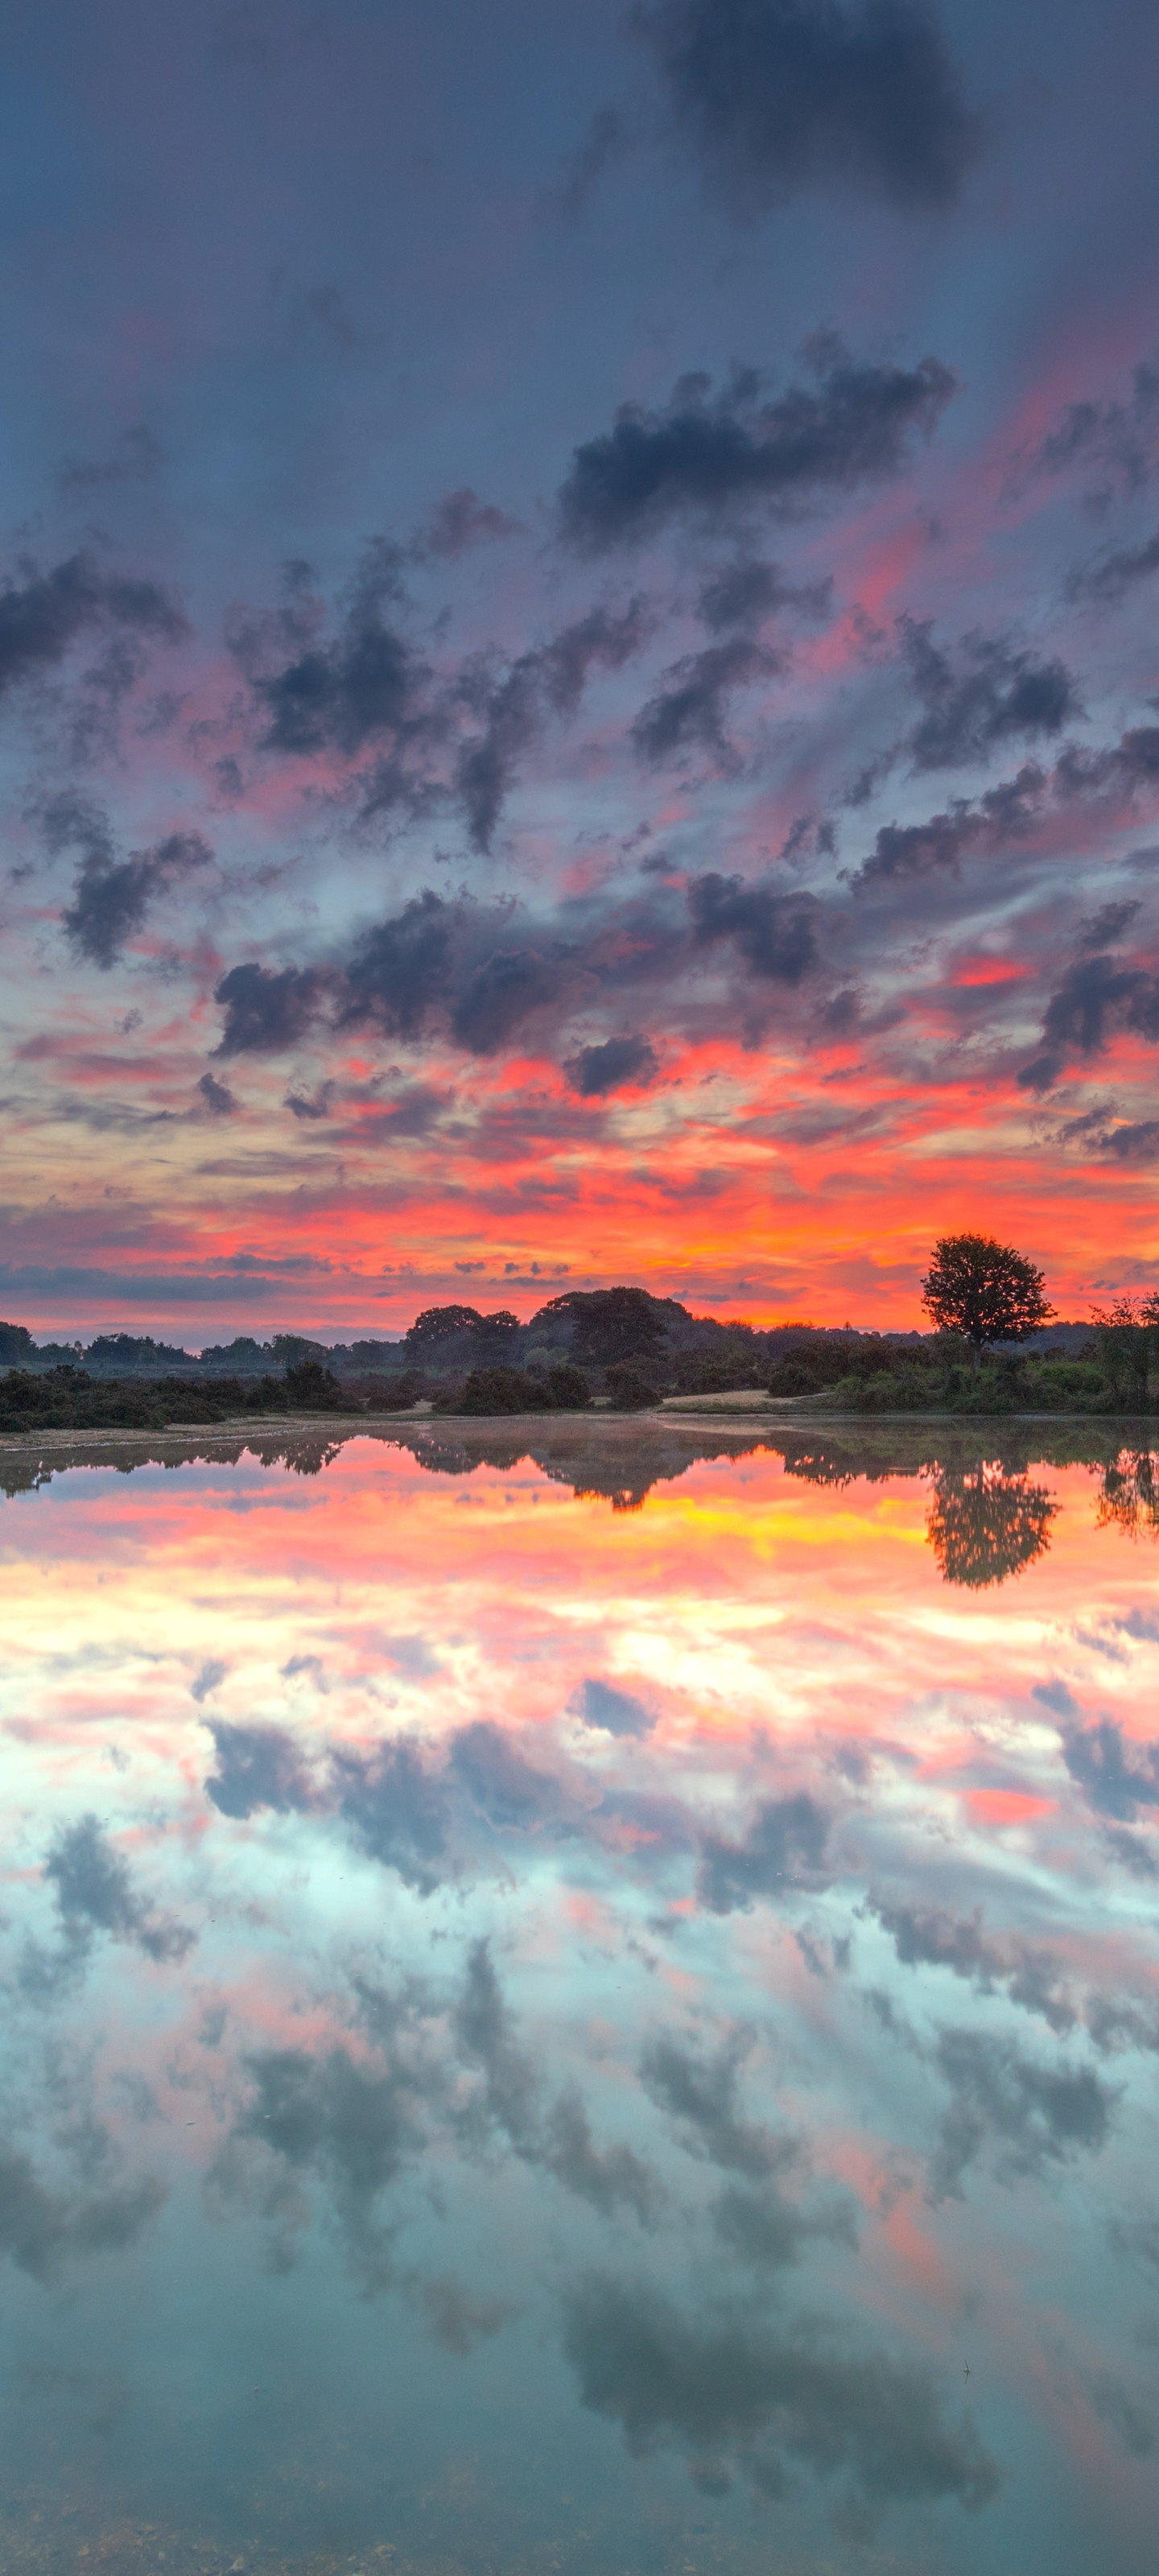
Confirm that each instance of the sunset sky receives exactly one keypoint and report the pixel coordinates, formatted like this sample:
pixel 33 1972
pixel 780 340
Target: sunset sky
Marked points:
pixel 578 687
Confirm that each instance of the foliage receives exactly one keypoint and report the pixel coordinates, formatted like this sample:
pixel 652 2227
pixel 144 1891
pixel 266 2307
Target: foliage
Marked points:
pixel 1127 1331
pixel 1130 1495
pixel 611 1324
pixel 16 1344
pixel 984 1290
pixel 987 1525
pixel 630 1389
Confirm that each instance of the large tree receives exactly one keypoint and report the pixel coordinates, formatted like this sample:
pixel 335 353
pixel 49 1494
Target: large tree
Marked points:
pixel 985 1291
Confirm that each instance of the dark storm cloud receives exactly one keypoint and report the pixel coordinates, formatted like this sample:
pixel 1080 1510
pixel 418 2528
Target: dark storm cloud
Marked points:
pixel 257 1766
pixel 112 896
pixel 784 1843
pixel 1099 1758
pixel 597 1070
pixel 702 2095
pixel 1096 997
pixel 558 2138
pixel 461 520
pixel 1111 575
pixel 774 933
pixel 506 1788
pixel 267 1010
pixel 1034 2116
pixel 41 2229
pixel 738 2398
pixel 397 1812
pixel 1000 696
pixel 617 1712
pixel 855 423
pixel 42 616
pixel 689 708
pixel 746 592
pixel 785 95
pixel 95 1892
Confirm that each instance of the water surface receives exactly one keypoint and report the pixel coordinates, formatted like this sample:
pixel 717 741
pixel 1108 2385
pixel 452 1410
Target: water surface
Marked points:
pixel 586 2007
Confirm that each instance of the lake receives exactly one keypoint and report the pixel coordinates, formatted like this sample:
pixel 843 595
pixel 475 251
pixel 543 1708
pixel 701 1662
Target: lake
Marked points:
pixel 582 1998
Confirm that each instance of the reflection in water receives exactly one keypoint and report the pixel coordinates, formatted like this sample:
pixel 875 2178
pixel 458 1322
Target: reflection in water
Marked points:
pixel 987 1525
pixel 545 2037
pixel 1129 1499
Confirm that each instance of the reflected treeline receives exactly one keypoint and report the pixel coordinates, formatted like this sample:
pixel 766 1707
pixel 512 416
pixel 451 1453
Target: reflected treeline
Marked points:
pixel 989 1518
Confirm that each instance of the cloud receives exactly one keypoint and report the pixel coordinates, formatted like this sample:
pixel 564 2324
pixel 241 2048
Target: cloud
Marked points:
pixel 304 1109
pixel 365 686
pixel 1117 437
pixel 689 708
pixel 703 2096
pixel 401 966
pixel 1096 997
pixel 1099 1758
pixel 396 1811
pixel 1002 695
pixel 355 2123
pixel 456 2321
pixel 597 1070
pixel 744 593
pixel 559 2138
pixel 257 1766
pixel 853 424
pixel 928 1936
pixel 903 852
pixel 785 1843
pixel 737 2397
pixel 774 933
pixel 778 98
pixel 506 1788
pixel 220 1101
pixel 266 1010
pixel 112 896
pixel 40 2228
pixel 461 520
pixel 1037 2115
pixel 606 141
pixel 513 706
pixel 95 1893
pixel 617 1712
pixel 769 2232
pixel 1112 574
pixel 42 616
pixel 502 994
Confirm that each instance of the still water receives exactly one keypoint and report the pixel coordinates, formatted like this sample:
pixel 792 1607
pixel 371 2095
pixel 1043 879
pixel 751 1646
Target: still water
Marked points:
pixel 591 2009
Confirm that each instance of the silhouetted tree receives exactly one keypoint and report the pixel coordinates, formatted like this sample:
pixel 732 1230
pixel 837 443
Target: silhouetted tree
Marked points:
pixel 986 1525
pixel 985 1291
pixel 1130 1496
pixel 611 1324
pixel 1127 1331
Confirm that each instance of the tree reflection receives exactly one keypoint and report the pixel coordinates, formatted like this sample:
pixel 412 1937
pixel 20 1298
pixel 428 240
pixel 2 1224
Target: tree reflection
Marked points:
pixel 985 1525
pixel 1130 1493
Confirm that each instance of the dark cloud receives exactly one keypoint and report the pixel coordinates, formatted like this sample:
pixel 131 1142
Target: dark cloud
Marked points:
pixel 906 851
pixel 606 141
pixel 688 709
pixel 1000 696
pixel 1108 924
pixel 854 423
pixel 506 1788
pixel 780 97
pixel 267 1010
pixel 557 2139
pixel 355 2124
pixel 1036 2116
pixel 928 1936
pixel 95 1892
pixel 257 1766
pixel 784 1843
pixel 769 2231
pixel 744 593
pixel 220 1101
pixel 617 1712
pixel 1137 1143
pixel 736 2397
pixel 207 1678
pixel 44 614
pixel 461 520
pixel 502 993
pixel 774 933
pixel 1126 766
pixel 402 966
pixel 1096 997
pixel 552 676
pixel 41 2229
pixel 456 2321
pixel 112 896
pixel 1112 574
pixel 597 1070
pixel 1099 1758
pixel 1116 438
pixel 397 1811
pixel 702 2095
pixel 366 686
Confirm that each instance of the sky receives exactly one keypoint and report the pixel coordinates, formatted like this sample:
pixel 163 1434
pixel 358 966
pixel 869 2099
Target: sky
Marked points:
pixel 538 2034
pixel 577 688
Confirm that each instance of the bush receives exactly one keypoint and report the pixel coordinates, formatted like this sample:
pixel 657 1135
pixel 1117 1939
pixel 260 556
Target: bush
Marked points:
pixel 495 1390
pixel 628 1387
pixel 568 1388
